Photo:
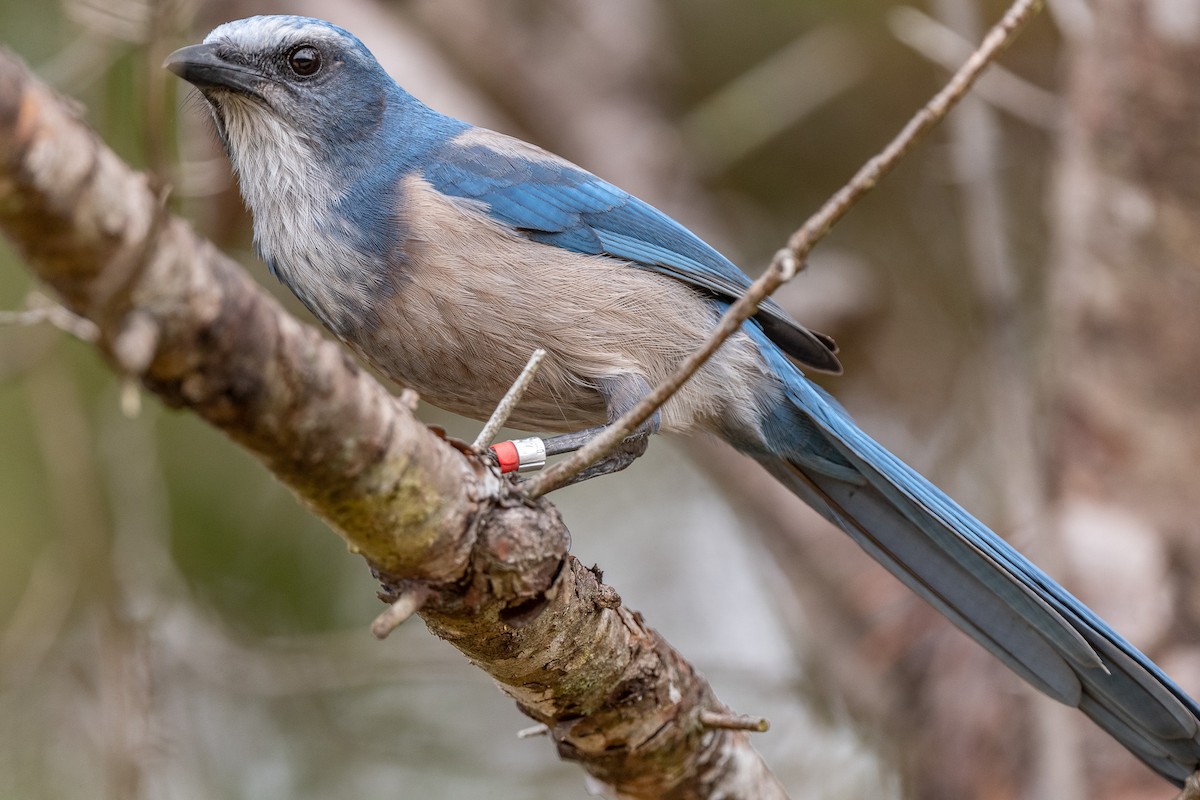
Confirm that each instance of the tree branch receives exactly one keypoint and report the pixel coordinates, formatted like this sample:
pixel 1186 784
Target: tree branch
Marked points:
pixel 174 313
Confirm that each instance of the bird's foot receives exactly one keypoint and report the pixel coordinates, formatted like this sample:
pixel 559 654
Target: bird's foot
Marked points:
pixel 529 455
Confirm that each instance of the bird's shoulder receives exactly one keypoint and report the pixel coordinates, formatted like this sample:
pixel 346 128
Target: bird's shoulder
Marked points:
pixel 552 201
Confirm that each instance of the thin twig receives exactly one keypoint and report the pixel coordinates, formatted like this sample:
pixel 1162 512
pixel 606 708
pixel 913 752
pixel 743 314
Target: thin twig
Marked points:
pixel 533 731
pixel 57 316
pixel 30 316
pixel 509 401
pixel 131 398
pixel 398 613
pixel 787 261
pixel 1002 88
pixel 734 722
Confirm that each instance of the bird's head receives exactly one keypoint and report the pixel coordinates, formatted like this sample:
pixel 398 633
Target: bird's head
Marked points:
pixel 319 135
pixel 305 80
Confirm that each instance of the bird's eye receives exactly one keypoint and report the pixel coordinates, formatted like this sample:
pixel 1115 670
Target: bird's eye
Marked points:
pixel 305 60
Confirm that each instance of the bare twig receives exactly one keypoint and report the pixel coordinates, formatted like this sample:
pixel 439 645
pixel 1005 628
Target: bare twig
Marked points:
pixel 57 316
pixel 787 262
pixel 399 612
pixel 30 316
pixel 509 401
pixel 734 722
pixel 131 398
pixel 533 731
pixel 1000 87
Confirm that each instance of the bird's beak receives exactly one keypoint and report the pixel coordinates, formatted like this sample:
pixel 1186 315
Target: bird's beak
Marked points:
pixel 202 66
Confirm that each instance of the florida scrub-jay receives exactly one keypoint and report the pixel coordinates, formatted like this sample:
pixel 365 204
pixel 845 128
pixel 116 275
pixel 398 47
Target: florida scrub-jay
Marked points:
pixel 444 254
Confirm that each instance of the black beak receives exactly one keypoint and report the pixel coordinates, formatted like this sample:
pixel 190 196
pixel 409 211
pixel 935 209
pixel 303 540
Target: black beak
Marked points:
pixel 202 66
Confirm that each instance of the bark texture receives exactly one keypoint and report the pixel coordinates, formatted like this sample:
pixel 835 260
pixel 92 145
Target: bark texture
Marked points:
pixel 197 331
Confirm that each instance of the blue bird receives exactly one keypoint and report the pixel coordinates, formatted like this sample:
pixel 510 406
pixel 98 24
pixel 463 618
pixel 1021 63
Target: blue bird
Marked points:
pixel 444 254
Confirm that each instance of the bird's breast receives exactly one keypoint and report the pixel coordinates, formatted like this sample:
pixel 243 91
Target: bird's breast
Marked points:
pixel 470 300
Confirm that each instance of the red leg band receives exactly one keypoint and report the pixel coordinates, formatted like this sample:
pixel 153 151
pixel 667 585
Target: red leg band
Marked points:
pixel 506 454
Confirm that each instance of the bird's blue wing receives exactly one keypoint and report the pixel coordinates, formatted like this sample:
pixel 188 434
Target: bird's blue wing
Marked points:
pixel 557 203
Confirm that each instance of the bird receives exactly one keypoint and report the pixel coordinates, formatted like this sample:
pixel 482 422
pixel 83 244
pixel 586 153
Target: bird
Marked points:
pixel 444 254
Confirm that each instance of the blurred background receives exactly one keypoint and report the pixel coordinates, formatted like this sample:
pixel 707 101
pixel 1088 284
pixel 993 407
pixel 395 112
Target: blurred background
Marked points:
pixel 1019 313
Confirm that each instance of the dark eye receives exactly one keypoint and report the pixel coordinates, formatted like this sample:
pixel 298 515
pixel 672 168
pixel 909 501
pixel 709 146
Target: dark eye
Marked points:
pixel 305 60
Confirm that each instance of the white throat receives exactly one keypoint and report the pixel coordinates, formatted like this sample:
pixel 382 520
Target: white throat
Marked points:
pixel 292 199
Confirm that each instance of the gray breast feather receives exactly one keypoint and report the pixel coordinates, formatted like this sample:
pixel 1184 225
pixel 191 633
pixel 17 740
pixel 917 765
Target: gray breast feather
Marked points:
pixel 473 300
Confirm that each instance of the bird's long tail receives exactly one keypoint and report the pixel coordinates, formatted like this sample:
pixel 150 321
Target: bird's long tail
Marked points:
pixel 974 577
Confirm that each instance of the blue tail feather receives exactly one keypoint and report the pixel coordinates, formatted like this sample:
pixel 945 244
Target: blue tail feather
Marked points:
pixel 970 574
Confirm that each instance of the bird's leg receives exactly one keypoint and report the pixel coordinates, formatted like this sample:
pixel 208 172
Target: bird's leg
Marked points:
pixel 626 453
pixel 620 394
pixel 570 442
pixel 528 455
